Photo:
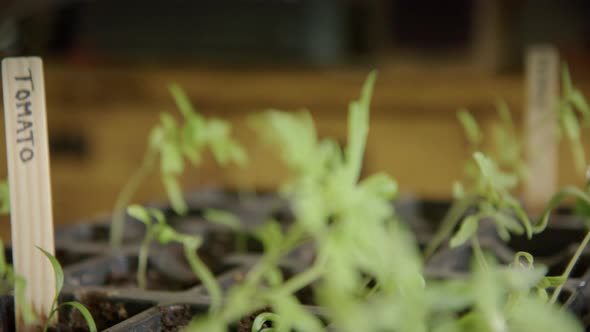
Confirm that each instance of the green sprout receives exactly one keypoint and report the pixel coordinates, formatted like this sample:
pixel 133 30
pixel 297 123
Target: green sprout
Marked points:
pixel 172 143
pixel 573 100
pixel 4 198
pixel 264 319
pixel 59 281
pixel 158 230
pixel 494 177
pixel 368 274
pixel 10 281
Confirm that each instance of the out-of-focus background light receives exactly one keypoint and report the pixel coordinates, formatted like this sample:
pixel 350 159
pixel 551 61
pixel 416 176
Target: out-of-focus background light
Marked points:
pixel 108 64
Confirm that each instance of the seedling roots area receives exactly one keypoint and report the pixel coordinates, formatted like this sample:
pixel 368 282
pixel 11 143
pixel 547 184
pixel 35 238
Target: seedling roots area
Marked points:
pixel 104 280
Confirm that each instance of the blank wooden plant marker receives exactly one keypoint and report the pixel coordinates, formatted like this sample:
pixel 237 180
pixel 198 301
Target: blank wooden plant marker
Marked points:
pixel 542 77
pixel 28 176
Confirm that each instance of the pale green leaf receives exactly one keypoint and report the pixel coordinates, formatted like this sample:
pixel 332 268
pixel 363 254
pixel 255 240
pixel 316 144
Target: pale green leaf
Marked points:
pixel 552 281
pixel 522 254
pixel 264 318
pixel 504 113
pixel 293 316
pixel 26 310
pixel 57 270
pixel 4 198
pixel 532 314
pixel 156 137
pixel 171 158
pixel 140 213
pixel 169 125
pixel 577 99
pixel 182 101
pixel 566 80
pixel 166 234
pixel 3 266
pixel 470 126
pixel 270 234
pixel 358 128
pixel 223 218
pixel 381 185
pixel 468 228
pixel 458 190
pixel 175 194
pixel 570 123
pixel 84 312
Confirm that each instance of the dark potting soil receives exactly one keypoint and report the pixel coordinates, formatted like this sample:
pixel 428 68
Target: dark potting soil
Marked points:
pixel 154 281
pixel 211 253
pixel 105 314
pixel 175 320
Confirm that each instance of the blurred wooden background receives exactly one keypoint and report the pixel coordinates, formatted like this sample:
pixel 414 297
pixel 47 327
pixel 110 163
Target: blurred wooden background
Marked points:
pixel 99 119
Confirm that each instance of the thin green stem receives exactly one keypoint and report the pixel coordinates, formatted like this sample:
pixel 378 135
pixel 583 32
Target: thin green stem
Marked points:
pixel 142 259
pixel 241 242
pixel 263 318
pixel 570 266
pixel 479 256
pixel 126 194
pixel 555 201
pixel 203 272
pixel 451 220
pixel 294 237
pixel 303 279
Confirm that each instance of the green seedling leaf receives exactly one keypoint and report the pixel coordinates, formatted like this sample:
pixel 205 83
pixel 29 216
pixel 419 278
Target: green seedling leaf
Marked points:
pixel 182 101
pixel 266 317
pixel 271 235
pixel 175 194
pixel 19 292
pixel 528 257
pixel 504 113
pixel 171 158
pixel 4 197
pixel 532 314
pixel 166 234
pixel 156 138
pixel 358 128
pixel 3 266
pixel 293 132
pixel 381 185
pixel 59 281
pixel 140 213
pixel 222 218
pixel 507 221
pixel 471 128
pixel 579 102
pixel 566 80
pixel 468 228
pixel 553 281
pixel 521 279
pixel 458 190
pixel 570 123
pixel 292 315
pixel 85 313
pixel 556 200
pixel 59 273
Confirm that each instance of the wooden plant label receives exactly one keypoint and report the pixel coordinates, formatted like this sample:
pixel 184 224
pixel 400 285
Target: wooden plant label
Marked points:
pixel 542 84
pixel 27 151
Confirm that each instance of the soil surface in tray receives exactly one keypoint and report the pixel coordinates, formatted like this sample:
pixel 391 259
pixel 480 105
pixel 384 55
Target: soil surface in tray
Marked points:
pixel 175 320
pixel 154 281
pixel 105 314
pixel 211 253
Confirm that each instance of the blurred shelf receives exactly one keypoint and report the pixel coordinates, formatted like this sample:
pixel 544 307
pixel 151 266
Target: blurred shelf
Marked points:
pixel 414 135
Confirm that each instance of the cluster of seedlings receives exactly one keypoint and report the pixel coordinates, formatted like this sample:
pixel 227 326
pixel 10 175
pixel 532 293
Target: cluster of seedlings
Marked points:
pixel 368 271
